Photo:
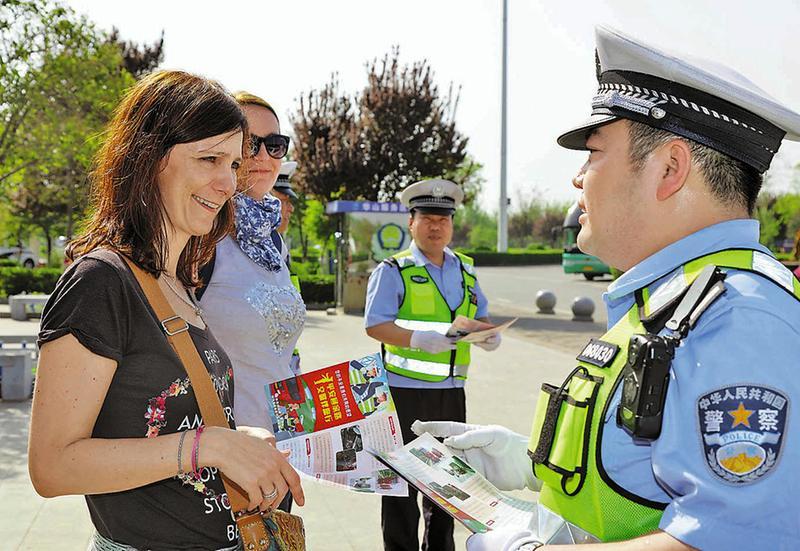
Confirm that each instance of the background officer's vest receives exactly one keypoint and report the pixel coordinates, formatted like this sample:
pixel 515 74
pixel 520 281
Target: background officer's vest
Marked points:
pixel 568 424
pixel 424 308
pixel 295 279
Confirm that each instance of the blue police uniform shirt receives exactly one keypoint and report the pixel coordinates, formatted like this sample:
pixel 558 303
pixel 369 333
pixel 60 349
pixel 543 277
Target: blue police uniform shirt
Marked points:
pixel 385 293
pixel 743 350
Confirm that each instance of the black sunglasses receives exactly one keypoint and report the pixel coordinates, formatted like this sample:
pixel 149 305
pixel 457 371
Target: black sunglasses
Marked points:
pixel 277 145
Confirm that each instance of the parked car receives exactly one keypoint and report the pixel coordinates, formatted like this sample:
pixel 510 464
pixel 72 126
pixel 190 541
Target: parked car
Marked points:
pixel 21 255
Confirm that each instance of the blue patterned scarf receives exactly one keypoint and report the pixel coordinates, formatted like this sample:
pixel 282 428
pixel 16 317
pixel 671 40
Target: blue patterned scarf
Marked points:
pixel 255 221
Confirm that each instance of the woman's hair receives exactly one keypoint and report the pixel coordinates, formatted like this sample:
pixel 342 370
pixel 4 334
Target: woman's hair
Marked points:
pixel 246 98
pixel 162 110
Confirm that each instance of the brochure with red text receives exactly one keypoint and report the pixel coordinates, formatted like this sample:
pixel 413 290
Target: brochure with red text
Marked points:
pixel 328 417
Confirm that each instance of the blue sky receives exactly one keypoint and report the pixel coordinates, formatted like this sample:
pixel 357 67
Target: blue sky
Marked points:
pixel 278 50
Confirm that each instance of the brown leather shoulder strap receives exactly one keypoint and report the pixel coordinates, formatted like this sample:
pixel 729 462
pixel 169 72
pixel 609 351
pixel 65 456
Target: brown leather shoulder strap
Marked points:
pixel 177 331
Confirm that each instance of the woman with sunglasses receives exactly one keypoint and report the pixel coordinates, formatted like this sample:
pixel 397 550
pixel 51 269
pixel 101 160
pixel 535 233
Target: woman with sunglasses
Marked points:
pixel 114 415
pixel 249 299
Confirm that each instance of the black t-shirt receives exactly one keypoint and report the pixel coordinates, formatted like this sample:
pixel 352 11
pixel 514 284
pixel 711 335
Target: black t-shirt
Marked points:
pixel 99 301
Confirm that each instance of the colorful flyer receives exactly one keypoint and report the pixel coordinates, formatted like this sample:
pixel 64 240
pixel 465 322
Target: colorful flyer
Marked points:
pixel 329 416
pixel 456 487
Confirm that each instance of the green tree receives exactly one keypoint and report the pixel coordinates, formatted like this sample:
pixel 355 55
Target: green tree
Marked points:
pixel 533 221
pixel 60 79
pixel 370 145
pixel 329 157
pixel 138 59
pixel 779 218
pixel 474 228
pixel 408 129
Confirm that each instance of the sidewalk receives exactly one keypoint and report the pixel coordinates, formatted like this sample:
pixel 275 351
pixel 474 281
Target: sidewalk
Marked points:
pixel 502 389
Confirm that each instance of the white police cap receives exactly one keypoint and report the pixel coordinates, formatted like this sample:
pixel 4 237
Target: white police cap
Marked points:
pixel 282 184
pixel 698 99
pixel 432 194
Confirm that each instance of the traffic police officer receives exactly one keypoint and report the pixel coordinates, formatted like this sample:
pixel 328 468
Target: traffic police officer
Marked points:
pixel 677 149
pixel 284 192
pixel 412 298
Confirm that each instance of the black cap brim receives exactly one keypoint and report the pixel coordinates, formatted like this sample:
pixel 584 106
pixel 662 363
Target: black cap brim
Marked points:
pixel 433 210
pixel 286 191
pixel 576 137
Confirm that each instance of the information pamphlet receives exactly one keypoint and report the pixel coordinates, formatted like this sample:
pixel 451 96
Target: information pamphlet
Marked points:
pixel 469 330
pixel 328 417
pixel 456 487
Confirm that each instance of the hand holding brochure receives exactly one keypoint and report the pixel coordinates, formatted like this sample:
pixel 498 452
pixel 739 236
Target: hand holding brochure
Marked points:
pixel 472 331
pixel 456 487
pixel 327 417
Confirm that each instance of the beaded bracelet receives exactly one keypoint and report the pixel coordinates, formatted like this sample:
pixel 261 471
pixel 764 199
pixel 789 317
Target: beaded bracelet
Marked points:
pixel 196 451
pixel 180 452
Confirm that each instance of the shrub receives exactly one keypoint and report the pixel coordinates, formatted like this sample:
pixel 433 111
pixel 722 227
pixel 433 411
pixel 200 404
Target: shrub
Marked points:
pixel 16 280
pixel 317 289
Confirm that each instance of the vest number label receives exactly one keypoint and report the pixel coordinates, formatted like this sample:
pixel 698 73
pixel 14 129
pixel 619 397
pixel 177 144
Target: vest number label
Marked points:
pixel 419 279
pixel 599 353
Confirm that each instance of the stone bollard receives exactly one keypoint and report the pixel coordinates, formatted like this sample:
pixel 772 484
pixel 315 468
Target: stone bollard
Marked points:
pixel 582 309
pixel 545 301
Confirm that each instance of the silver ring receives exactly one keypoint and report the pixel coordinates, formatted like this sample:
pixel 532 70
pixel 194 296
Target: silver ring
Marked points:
pixel 270 496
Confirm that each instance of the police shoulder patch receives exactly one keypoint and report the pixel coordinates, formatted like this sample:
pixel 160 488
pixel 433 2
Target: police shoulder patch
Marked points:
pixel 598 353
pixel 419 279
pixel 742 429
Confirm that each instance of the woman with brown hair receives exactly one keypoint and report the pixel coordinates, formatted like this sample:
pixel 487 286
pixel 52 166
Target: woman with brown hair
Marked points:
pixel 114 414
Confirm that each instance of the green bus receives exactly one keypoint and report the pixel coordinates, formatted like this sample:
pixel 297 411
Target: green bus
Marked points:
pixel 572 259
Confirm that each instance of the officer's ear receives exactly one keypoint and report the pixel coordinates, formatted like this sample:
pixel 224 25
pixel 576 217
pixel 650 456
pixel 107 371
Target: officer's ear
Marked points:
pixel 675 160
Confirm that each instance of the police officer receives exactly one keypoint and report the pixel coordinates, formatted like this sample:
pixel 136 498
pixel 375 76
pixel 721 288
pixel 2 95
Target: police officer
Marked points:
pixel 412 299
pixel 284 192
pixel 703 456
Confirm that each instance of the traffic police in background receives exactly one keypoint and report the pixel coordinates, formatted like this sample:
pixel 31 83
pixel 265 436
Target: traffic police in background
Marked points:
pixel 679 427
pixel 284 192
pixel 412 299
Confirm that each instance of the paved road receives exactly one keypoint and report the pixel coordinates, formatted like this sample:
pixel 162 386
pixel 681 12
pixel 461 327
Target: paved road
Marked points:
pixel 512 293
pixel 513 289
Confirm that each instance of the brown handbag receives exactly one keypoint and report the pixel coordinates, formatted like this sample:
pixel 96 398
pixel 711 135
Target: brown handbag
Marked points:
pixel 269 531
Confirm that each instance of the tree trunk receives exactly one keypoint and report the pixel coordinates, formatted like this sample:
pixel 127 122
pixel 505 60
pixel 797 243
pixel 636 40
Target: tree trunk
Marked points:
pixel 46 231
pixel 69 222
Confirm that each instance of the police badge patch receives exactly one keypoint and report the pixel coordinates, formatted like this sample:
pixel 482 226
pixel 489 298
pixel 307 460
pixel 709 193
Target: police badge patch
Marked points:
pixel 742 430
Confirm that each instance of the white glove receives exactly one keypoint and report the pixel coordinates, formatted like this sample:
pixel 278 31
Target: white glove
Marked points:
pixel 503 539
pixel 496 452
pixel 431 342
pixel 491 343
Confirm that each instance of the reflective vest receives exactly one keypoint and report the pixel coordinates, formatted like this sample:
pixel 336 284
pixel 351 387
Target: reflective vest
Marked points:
pixel 565 444
pixel 296 284
pixel 424 308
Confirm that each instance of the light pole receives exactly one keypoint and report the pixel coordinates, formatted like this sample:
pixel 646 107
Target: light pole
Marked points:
pixel 502 218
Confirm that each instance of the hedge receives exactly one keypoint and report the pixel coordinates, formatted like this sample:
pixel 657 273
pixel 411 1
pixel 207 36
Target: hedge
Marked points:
pixel 317 289
pixel 16 280
pixel 518 257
